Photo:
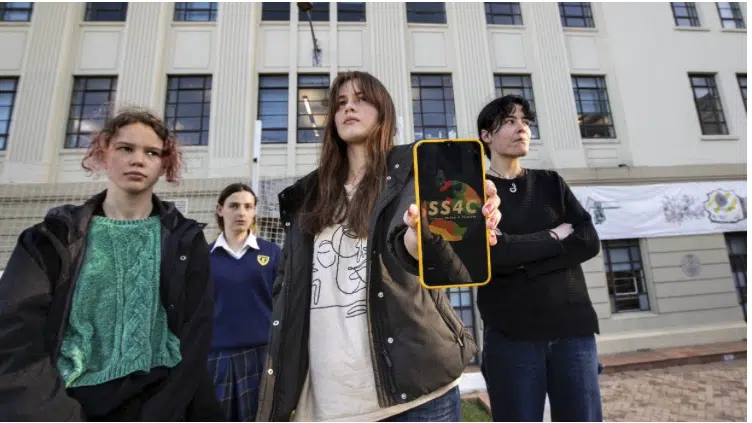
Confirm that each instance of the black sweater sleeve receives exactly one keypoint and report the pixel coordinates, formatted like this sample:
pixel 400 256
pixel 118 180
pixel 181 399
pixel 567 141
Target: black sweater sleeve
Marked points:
pixel 513 251
pixel 580 246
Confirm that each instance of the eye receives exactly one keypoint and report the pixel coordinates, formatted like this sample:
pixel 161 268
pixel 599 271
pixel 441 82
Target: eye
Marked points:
pixel 124 149
pixel 154 153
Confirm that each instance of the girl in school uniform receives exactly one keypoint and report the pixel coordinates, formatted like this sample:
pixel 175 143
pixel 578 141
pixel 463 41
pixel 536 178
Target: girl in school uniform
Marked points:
pixel 243 267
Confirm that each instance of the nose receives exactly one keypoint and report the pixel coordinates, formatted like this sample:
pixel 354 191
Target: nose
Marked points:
pixel 137 158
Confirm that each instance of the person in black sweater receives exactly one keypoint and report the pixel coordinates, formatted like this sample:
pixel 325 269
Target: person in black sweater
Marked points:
pixel 540 325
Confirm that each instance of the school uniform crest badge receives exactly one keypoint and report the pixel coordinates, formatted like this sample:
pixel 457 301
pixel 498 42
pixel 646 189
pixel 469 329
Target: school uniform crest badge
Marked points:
pixel 262 259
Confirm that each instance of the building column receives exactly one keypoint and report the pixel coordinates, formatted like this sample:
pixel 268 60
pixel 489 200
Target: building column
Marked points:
pixel 41 105
pixel 473 77
pixel 386 22
pixel 565 148
pixel 231 137
pixel 141 72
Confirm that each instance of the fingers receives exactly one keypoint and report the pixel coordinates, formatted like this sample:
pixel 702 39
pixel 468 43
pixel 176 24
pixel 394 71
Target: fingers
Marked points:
pixel 493 221
pixel 492 237
pixel 411 216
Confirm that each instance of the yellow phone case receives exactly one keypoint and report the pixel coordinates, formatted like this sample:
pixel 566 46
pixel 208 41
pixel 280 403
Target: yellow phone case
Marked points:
pixel 417 201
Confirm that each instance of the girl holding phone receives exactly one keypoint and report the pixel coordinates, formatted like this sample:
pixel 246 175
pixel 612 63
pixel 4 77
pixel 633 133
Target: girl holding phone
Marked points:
pixel 354 335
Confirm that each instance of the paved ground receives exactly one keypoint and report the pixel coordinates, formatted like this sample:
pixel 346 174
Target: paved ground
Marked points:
pixel 706 392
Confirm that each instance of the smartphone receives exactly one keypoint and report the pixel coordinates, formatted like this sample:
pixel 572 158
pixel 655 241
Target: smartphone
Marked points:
pixel 450 192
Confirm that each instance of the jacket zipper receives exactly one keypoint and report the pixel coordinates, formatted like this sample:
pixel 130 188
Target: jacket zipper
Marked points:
pixel 447 321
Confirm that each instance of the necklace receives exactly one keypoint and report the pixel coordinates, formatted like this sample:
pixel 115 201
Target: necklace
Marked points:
pixel 513 187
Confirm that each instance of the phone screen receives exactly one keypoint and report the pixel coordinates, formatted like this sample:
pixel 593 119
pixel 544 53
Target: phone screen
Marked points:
pixel 450 191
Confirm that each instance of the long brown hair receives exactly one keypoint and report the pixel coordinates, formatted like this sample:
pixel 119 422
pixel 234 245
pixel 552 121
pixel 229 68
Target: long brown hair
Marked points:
pixel 328 204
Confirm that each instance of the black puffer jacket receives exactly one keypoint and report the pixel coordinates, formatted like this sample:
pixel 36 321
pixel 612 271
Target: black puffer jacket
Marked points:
pixel 35 296
pixel 429 345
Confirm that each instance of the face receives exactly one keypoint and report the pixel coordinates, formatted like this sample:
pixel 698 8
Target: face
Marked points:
pixel 238 211
pixel 355 117
pixel 134 158
pixel 512 138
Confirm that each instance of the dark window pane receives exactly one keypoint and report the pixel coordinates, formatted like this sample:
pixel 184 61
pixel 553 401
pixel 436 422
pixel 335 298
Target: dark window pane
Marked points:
pixel 104 12
pixel 426 12
pixel 274 11
pixel 351 12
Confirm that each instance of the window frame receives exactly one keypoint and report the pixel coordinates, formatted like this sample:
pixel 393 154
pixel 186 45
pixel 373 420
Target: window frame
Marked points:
pixel 718 112
pixel 301 103
pixel 524 77
pixel 515 15
pixel 342 11
pixel 738 264
pixel 742 87
pixel 93 8
pixel 286 89
pixel 603 99
pixel 181 11
pixel 692 16
pixel 4 8
pixel 73 135
pixel 270 11
pixel 4 136
pixel 449 116
pixel 172 118
pixel 641 293
pixel 586 16
pixel 736 13
pixel 423 16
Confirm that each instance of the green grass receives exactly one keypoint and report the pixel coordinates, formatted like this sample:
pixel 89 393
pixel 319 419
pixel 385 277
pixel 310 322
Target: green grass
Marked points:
pixel 474 412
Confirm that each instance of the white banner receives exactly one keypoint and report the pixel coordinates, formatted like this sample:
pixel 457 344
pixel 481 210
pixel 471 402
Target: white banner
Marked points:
pixel 647 211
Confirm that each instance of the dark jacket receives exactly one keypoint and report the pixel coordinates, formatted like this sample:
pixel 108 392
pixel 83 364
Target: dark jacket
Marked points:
pixel 36 290
pixel 429 345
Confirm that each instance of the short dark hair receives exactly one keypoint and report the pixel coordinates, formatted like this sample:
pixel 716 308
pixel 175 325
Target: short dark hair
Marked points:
pixel 228 191
pixel 494 113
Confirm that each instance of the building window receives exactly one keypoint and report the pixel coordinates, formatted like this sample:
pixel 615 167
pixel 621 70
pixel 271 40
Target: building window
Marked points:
pixel 106 12
pixel 737 251
pixel 348 11
pixel 503 14
pixel 593 109
pixel 433 107
pixel 708 104
pixel 731 15
pixel 8 88
pixel 273 11
pixel 462 301
pixel 15 12
pixel 685 14
pixel 195 12
pixel 431 13
pixel 272 108
pixel 625 275
pixel 742 79
pixel 319 13
pixel 187 108
pixel 313 105
pixel 90 106
pixel 576 15
pixel 521 85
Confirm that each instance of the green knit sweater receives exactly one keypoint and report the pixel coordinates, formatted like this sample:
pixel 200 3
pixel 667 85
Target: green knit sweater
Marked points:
pixel 117 324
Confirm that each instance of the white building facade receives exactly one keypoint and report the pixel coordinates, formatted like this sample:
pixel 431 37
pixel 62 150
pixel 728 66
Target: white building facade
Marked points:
pixel 634 101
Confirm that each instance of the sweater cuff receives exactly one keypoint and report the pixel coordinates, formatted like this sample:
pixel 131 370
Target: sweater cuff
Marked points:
pixel 396 245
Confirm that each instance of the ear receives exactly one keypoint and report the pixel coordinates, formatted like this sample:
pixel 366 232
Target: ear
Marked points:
pixel 219 210
pixel 484 136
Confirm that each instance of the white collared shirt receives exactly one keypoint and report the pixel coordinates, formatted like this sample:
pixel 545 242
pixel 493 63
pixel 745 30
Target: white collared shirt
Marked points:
pixel 250 242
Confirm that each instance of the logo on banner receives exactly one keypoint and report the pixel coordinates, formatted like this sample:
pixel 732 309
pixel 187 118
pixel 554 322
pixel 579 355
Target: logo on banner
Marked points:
pixel 597 209
pixel 725 207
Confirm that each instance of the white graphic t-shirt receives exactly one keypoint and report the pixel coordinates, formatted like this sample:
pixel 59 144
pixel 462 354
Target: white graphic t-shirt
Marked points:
pixel 340 385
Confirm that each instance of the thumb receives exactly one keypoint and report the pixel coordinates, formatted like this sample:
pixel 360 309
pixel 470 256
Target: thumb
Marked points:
pixel 411 216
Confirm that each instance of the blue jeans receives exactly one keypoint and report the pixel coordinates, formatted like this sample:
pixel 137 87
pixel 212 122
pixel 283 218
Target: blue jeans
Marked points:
pixel 445 408
pixel 518 375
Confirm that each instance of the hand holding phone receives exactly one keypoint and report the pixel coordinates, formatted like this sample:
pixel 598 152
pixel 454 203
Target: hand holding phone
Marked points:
pixel 453 224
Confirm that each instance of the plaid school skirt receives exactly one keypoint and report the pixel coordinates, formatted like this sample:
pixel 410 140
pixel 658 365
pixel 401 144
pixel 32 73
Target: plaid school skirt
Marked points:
pixel 237 376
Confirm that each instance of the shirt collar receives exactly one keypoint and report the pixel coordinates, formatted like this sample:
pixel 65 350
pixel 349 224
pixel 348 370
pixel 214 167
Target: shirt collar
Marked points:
pixel 250 242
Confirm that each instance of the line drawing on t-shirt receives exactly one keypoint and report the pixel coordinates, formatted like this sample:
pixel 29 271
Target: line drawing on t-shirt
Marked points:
pixel 343 257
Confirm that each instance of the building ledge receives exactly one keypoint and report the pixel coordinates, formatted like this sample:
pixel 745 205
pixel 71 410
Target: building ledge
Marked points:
pixel 719 138
pixel 637 175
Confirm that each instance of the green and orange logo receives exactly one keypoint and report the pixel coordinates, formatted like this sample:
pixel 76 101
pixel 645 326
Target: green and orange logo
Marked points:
pixel 449 218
